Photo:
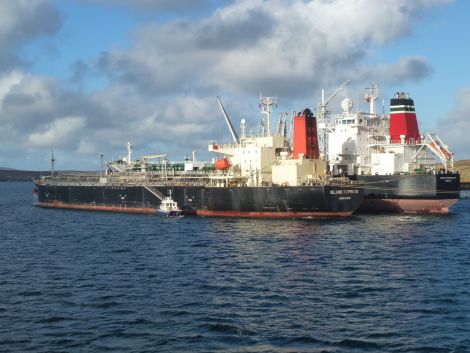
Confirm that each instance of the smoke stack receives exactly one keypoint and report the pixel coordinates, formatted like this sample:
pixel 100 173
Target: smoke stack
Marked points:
pixel 403 120
pixel 305 136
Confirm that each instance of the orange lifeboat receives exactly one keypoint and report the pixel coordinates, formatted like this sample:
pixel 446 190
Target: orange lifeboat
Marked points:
pixel 442 149
pixel 446 152
pixel 222 164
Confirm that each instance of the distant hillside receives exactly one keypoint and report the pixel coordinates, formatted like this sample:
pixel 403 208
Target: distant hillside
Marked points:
pixel 28 175
pixel 5 168
pixel 19 175
pixel 464 169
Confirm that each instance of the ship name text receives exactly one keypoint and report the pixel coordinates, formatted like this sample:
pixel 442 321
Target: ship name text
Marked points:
pixel 344 192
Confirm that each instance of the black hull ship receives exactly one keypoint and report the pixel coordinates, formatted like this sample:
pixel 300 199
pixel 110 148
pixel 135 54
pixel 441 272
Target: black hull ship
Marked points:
pixel 402 170
pixel 431 193
pixel 252 202
pixel 262 176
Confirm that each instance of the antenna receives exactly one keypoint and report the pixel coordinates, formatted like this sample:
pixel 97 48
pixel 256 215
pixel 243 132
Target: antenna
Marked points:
pixel 129 152
pixel 243 128
pixel 372 93
pixel 101 165
pixel 281 128
pixel 52 163
pixel 266 103
pixel 229 123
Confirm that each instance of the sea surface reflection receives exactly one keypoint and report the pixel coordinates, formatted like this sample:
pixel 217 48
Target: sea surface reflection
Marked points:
pixel 79 281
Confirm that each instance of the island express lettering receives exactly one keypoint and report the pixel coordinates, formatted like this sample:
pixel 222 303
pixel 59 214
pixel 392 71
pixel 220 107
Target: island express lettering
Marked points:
pixel 344 192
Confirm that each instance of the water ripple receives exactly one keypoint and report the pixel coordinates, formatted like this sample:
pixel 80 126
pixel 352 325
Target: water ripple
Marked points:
pixel 103 282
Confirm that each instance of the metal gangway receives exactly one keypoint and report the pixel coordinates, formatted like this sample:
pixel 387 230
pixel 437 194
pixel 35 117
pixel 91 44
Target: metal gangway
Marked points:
pixel 155 192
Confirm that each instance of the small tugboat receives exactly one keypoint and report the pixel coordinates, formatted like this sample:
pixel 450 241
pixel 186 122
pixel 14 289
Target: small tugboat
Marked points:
pixel 169 208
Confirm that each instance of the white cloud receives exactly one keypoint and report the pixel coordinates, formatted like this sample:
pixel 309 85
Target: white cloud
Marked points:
pixel 60 133
pixel 157 5
pixel 7 81
pixel 289 46
pixel 454 128
pixel 179 122
pixel 22 21
pixel 162 95
pixel 406 68
pixel 28 101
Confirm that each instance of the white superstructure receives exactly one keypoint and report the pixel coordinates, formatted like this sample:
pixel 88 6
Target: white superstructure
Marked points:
pixel 360 142
pixel 265 159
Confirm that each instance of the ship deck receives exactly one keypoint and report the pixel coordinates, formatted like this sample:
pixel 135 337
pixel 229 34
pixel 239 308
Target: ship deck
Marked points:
pixel 173 179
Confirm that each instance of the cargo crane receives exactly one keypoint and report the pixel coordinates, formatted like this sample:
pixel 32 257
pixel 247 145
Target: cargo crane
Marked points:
pixel 323 117
pixel 229 123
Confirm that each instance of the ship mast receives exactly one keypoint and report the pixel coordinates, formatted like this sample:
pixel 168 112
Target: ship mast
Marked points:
pixel 281 128
pixel 372 93
pixel 52 163
pixel 101 164
pixel 243 128
pixel 265 104
pixel 129 152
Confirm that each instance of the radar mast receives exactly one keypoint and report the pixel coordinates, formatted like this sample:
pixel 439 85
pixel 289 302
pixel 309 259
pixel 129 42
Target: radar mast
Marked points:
pixel 266 104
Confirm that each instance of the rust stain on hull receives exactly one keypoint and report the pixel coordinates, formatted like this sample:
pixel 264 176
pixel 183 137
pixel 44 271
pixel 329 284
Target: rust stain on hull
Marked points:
pixel 103 208
pixel 206 213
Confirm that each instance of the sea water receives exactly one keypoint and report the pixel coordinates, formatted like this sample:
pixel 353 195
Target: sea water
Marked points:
pixel 78 281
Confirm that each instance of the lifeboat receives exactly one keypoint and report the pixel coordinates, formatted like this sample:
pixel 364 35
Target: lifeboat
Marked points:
pixel 438 147
pixel 222 164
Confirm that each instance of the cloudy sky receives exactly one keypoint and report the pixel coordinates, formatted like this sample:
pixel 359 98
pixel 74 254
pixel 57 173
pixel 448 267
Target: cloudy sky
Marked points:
pixel 86 76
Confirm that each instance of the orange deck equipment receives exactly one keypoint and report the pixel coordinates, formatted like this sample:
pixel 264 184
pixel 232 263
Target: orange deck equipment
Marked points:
pixel 222 164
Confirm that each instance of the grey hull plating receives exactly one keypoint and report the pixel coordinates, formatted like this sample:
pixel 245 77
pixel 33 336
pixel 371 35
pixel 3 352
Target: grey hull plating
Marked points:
pixel 270 202
pixel 410 193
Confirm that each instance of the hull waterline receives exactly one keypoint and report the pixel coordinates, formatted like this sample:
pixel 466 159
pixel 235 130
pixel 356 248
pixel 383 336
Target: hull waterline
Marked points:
pixel 406 206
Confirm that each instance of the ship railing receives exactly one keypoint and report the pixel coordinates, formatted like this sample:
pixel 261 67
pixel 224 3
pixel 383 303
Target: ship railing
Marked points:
pixel 112 181
pixel 409 141
pixel 342 181
pixel 161 173
pixel 195 178
pixel 117 183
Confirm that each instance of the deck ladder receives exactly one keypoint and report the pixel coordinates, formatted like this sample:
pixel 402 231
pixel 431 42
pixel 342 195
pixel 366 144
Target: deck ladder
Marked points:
pixel 155 192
